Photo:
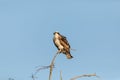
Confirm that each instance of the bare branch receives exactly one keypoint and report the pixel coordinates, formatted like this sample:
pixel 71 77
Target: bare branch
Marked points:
pixel 52 65
pixel 85 75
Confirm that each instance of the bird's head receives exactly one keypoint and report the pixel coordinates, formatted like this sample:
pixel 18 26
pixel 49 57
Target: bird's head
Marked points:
pixel 56 32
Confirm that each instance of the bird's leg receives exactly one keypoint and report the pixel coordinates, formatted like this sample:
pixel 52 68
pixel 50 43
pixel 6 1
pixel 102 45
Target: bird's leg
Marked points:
pixel 59 51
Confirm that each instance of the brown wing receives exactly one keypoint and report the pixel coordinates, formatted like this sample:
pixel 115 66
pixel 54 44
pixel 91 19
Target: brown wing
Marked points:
pixel 64 42
pixel 66 45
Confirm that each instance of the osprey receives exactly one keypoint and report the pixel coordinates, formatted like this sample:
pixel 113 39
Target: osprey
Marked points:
pixel 62 44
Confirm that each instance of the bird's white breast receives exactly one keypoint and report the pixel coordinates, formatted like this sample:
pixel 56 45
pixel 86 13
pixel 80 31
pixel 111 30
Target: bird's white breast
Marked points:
pixel 57 42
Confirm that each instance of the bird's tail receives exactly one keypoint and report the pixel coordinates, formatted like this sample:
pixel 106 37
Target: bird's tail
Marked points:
pixel 68 55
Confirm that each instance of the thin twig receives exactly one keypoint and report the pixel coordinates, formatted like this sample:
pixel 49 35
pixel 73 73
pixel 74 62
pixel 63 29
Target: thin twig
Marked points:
pixel 33 77
pixel 85 75
pixel 61 75
pixel 73 49
pixel 52 65
pixel 41 68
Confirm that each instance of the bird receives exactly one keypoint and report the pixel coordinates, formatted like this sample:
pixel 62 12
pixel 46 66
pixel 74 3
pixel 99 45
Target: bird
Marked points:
pixel 62 44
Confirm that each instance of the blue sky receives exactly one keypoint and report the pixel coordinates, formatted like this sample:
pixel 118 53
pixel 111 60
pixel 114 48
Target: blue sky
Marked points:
pixel 91 27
